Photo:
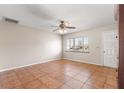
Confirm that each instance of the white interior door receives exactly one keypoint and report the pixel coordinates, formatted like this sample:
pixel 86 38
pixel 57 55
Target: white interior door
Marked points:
pixel 110 49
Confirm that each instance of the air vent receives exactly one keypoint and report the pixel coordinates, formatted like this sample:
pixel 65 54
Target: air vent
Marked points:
pixel 11 20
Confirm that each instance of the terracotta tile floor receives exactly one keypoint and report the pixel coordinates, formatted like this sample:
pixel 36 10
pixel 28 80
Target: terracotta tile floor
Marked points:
pixel 60 74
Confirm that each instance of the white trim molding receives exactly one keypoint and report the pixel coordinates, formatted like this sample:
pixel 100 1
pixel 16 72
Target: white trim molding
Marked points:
pixel 39 62
pixel 83 61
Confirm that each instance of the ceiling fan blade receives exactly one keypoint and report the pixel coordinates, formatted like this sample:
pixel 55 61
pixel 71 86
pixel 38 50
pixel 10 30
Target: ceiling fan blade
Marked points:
pixel 70 27
pixel 55 30
pixel 53 26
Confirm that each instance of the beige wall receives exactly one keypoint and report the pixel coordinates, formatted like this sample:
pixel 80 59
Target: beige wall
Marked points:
pixel 95 45
pixel 20 45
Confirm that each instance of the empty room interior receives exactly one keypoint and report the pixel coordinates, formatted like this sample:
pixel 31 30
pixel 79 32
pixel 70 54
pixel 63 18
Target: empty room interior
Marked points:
pixel 57 46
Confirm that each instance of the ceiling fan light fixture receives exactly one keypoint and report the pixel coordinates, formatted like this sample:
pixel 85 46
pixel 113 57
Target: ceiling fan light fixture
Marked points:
pixel 62 31
pixel 65 31
pixel 63 26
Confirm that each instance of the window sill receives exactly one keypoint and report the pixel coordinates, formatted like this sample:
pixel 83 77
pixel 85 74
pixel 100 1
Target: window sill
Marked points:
pixel 77 51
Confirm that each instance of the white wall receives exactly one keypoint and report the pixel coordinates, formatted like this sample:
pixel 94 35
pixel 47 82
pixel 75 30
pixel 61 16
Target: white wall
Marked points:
pixel 95 45
pixel 20 45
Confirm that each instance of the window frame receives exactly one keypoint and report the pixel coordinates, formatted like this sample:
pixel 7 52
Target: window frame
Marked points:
pixel 77 50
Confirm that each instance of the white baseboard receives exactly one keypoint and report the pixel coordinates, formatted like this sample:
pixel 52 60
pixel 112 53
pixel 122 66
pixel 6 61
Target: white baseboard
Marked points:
pixel 39 62
pixel 89 62
pixel 83 61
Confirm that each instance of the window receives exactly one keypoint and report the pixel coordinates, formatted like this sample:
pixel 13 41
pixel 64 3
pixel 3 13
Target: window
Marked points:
pixel 70 44
pixel 79 44
pixel 86 44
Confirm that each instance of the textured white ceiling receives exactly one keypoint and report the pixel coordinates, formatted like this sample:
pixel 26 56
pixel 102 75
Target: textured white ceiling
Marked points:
pixel 82 16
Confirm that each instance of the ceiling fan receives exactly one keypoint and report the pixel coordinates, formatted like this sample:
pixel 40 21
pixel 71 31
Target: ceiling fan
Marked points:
pixel 63 26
